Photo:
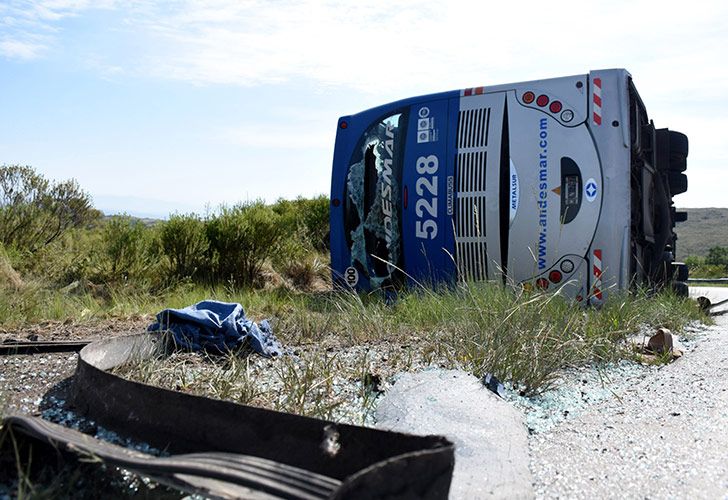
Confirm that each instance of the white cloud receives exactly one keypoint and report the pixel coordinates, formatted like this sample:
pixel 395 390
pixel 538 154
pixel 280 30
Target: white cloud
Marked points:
pixel 391 49
pixel 383 46
pixel 29 27
pixel 18 49
pixel 397 48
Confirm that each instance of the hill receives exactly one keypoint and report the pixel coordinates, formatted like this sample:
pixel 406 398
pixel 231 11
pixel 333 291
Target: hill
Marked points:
pixel 705 228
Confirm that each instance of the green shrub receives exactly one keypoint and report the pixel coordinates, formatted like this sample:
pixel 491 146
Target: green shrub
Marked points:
pixel 701 268
pixel 718 256
pixel 184 241
pixel 76 256
pixel 35 212
pixel 241 239
pixel 315 215
pixel 307 218
pixel 128 251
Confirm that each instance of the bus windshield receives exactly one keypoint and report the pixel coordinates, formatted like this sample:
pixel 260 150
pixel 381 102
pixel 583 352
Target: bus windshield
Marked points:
pixel 373 188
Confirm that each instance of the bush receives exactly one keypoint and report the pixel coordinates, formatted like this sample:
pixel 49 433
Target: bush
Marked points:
pixel 128 251
pixel 718 256
pixel 8 275
pixel 184 241
pixel 308 218
pixel 35 212
pixel 241 239
pixel 699 268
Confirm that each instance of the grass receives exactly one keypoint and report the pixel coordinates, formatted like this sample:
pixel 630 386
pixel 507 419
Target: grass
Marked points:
pixel 347 347
pixel 345 341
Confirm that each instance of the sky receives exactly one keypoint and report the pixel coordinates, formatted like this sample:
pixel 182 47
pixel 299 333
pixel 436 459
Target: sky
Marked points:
pixel 183 105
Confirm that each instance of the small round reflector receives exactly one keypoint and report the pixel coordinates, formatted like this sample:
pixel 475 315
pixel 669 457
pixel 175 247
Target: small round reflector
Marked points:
pixel 555 106
pixel 542 283
pixel 336 202
pixel 555 276
pixel 567 115
pixel 528 97
pixel 343 124
pixel 542 100
pixel 567 266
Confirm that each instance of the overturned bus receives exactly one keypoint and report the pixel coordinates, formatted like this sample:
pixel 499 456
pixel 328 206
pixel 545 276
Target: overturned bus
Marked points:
pixel 562 183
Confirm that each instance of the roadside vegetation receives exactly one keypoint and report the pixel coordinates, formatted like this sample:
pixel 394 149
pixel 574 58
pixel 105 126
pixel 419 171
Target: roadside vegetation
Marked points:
pixel 713 265
pixel 63 261
pixel 273 259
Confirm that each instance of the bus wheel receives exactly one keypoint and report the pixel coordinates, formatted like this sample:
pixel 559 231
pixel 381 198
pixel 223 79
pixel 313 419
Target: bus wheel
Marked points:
pixel 680 288
pixel 678 144
pixel 678 164
pixel 678 183
pixel 680 271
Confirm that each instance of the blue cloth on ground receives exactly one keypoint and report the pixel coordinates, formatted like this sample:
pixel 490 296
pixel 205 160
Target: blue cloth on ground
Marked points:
pixel 216 327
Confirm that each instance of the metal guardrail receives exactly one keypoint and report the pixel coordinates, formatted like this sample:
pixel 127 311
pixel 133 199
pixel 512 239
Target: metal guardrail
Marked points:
pixel 227 450
pixel 37 347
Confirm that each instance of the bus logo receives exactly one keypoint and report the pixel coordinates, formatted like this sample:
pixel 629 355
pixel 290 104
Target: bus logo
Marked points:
pixel 425 126
pixel 591 190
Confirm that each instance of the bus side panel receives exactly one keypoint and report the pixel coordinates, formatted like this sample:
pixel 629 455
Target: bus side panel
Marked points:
pixel 340 256
pixel 424 179
pixel 609 125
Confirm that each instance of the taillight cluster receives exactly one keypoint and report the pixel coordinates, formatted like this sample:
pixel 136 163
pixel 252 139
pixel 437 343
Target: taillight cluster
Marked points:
pixel 555 276
pixel 543 101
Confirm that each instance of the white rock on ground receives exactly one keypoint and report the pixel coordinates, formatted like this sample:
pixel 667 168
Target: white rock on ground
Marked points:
pixel 491 440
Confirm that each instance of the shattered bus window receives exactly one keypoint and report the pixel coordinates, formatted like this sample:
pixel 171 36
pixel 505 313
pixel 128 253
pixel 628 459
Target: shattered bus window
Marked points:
pixel 373 202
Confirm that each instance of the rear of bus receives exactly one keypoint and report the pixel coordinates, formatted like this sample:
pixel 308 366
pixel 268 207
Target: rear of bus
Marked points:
pixel 555 184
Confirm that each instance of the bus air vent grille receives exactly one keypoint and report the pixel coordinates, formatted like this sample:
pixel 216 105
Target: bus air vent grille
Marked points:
pixel 473 125
pixel 470 231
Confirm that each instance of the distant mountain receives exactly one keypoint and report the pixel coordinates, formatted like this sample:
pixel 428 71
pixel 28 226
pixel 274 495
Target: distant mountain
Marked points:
pixel 143 208
pixel 705 228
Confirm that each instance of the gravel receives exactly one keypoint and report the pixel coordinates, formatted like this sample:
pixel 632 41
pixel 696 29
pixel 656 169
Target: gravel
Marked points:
pixel 619 430
pixel 651 432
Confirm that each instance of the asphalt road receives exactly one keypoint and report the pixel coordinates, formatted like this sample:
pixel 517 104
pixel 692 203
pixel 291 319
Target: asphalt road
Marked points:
pixel 664 435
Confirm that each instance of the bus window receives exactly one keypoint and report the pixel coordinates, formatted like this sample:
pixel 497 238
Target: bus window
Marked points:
pixel 372 217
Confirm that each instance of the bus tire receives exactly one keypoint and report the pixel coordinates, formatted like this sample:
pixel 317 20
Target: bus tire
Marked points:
pixel 678 183
pixel 680 271
pixel 678 164
pixel 680 288
pixel 678 144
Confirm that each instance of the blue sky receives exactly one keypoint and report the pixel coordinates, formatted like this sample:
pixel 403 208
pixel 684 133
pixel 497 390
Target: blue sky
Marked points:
pixel 157 107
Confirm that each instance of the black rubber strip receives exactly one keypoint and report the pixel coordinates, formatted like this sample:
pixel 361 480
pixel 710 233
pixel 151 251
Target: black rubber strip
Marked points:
pixel 223 449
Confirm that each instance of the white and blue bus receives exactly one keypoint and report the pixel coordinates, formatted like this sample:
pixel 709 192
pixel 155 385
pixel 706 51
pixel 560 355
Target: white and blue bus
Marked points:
pixel 561 183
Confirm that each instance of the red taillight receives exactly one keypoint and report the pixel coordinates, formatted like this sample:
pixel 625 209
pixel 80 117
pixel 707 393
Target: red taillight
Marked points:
pixel 336 202
pixel 343 124
pixel 542 100
pixel 555 276
pixel 555 107
pixel 528 97
pixel 542 283
pixel 405 196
